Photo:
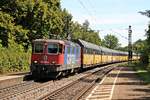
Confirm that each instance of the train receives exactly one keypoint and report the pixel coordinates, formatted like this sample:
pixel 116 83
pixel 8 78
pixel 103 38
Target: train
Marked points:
pixel 52 58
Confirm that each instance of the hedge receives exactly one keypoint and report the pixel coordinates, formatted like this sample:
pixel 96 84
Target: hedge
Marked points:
pixel 14 59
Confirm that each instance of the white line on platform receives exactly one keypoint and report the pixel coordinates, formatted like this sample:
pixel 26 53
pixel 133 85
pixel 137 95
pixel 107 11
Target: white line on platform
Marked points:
pixel 112 90
pixel 96 87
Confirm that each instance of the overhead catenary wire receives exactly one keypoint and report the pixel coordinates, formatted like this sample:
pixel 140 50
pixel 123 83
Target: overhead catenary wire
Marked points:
pixel 120 35
pixel 87 10
pixel 94 12
pixel 92 6
pixel 81 3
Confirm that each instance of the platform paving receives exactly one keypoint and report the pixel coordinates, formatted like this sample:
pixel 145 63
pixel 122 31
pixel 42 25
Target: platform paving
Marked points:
pixel 121 84
pixel 12 79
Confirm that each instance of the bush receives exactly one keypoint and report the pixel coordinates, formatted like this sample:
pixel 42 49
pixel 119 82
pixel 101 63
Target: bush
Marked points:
pixel 143 71
pixel 14 58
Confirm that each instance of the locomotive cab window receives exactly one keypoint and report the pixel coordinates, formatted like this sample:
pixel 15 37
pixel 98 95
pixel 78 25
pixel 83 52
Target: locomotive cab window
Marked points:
pixel 38 48
pixel 60 48
pixel 53 48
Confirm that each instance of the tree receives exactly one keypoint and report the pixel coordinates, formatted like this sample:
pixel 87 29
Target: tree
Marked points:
pixel 123 48
pixel 34 19
pixel 22 21
pixel 39 17
pixel 147 49
pixel 85 33
pixel 147 13
pixel 110 41
pixel 9 31
pixel 86 25
pixel 67 20
pixel 139 46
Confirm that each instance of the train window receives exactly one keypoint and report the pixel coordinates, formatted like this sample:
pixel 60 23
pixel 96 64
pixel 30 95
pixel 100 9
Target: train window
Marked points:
pixel 89 51
pixel 84 50
pixel 52 48
pixel 60 48
pixel 68 50
pixel 73 50
pixel 38 48
pixel 77 51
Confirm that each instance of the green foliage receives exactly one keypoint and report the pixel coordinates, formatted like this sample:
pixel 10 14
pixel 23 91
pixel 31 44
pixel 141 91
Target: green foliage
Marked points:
pixel 22 21
pixel 146 13
pixel 143 71
pixel 110 41
pixel 147 47
pixel 139 46
pixel 123 48
pixel 39 17
pixel 8 29
pixel 85 33
pixel 67 27
pixel 13 58
pixel 33 19
pixel 148 36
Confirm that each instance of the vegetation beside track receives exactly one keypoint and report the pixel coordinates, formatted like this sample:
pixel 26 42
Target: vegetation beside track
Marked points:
pixel 14 59
pixel 22 21
pixel 143 70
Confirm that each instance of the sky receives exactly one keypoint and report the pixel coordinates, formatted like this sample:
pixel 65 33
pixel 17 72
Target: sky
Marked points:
pixel 111 16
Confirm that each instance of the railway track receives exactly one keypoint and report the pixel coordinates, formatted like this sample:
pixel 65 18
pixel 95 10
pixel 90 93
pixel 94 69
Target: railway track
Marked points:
pixel 4 92
pixel 71 88
pixel 78 88
pixel 17 90
pixel 30 90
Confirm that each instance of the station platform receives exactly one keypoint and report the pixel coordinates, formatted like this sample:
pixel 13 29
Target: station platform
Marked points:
pixel 121 84
pixel 12 79
pixel 12 75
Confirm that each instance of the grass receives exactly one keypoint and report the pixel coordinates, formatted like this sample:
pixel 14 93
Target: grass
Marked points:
pixel 143 71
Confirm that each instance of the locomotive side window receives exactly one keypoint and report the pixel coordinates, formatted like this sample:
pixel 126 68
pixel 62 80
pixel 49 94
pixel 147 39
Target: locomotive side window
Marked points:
pixel 60 48
pixel 38 48
pixel 68 50
pixel 53 48
pixel 73 49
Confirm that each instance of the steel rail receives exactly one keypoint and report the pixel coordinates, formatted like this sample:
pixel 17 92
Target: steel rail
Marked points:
pixel 57 92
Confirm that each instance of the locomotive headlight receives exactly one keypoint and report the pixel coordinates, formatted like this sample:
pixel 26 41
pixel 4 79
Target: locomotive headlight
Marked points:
pixel 35 61
pixel 53 62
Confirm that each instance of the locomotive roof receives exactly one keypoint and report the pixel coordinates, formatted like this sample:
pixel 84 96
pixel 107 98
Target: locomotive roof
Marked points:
pixel 65 42
pixel 48 40
pixel 84 44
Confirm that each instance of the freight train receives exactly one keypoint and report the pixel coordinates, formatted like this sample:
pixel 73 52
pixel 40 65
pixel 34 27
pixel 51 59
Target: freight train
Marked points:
pixel 52 58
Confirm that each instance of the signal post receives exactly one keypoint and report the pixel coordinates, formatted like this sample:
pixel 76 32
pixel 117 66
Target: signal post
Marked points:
pixel 129 45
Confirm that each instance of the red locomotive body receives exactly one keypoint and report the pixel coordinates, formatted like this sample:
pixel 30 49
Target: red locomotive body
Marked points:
pixel 47 56
pixel 50 58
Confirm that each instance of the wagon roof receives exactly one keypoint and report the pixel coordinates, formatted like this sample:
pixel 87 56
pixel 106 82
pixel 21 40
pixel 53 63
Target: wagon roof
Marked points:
pixel 107 50
pixel 88 44
pixel 71 43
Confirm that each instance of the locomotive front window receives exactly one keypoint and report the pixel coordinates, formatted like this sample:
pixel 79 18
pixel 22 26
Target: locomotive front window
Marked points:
pixel 38 48
pixel 53 48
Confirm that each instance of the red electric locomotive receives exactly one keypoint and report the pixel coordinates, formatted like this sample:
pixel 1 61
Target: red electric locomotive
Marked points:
pixel 52 57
